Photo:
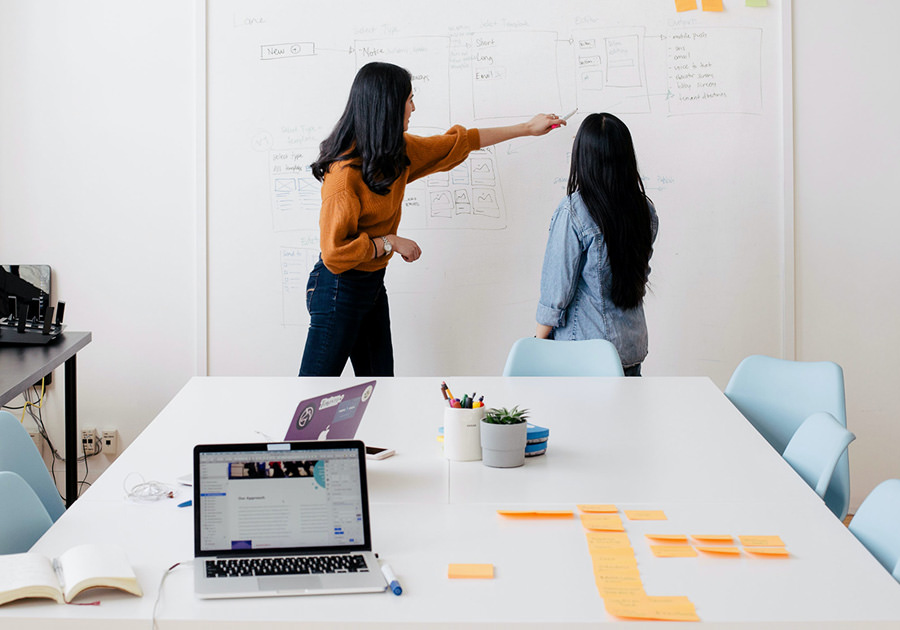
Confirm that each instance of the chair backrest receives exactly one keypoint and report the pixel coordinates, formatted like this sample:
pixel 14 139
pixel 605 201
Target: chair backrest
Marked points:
pixel 777 395
pixel 548 357
pixel 23 518
pixel 19 455
pixel 815 449
pixel 877 524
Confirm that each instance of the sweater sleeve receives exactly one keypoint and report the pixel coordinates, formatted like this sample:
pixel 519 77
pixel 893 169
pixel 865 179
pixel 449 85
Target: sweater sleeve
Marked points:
pixel 443 152
pixel 343 247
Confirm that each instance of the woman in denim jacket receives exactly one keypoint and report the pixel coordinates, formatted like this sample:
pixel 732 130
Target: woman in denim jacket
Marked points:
pixel 596 264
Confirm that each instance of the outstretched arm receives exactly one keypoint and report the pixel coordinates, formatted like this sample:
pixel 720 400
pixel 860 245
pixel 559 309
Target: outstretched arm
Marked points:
pixel 537 126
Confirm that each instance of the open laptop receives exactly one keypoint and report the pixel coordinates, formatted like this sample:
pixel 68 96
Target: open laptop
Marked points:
pixel 282 519
pixel 331 416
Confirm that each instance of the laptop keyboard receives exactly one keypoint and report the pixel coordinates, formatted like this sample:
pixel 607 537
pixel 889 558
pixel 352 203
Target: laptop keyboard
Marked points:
pixel 290 565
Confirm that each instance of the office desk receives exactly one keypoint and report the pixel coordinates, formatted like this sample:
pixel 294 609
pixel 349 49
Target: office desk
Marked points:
pixel 671 444
pixel 23 366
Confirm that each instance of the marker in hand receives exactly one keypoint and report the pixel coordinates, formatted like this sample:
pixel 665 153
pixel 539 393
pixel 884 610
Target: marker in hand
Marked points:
pixel 566 117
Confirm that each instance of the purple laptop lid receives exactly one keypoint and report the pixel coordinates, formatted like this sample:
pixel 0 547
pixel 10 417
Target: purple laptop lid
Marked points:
pixel 332 416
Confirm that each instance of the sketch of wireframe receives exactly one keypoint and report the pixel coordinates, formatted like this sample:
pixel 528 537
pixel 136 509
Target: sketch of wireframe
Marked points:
pixel 284 184
pixel 610 73
pixel 483 171
pixel 441 204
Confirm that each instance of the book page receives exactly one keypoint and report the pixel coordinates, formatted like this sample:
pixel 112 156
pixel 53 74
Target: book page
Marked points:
pixel 27 575
pixel 88 566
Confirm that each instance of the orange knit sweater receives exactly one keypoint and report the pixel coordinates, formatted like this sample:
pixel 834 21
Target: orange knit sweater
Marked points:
pixel 352 214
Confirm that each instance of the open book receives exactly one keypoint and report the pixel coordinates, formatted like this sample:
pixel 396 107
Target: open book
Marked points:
pixel 80 568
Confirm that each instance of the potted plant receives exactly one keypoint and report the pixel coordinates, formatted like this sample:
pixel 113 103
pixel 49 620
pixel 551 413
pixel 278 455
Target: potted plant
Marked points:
pixel 503 436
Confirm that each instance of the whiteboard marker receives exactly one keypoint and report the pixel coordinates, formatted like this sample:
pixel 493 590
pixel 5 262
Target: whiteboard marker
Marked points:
pixel 566 117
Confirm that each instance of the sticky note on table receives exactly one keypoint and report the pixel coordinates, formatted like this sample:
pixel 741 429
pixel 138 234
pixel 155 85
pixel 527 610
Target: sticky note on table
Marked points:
pixel 646 607
pixel 608 540
pixel 602 522
pixel 718 538
pixel 675 538
pixel 597 508
pixel 645 515
pixel 761 541
pixel 721 550
pixel 471 571
pixel 673 551
pixel 767 551
pixel 536 513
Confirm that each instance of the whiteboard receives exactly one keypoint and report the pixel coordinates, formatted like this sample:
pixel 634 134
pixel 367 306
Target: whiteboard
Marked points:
pixel 701 92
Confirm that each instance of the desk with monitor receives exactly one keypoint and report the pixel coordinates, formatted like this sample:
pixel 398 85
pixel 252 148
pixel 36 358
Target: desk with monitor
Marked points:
pixel 674 445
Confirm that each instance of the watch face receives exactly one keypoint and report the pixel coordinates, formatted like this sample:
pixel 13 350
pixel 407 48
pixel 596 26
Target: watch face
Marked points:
pixel 387 244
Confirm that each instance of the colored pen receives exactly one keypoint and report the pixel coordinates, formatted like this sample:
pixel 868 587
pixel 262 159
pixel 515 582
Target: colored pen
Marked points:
pixel 185 503
pixel 444 391
pixel 566 117
pixel 464 403
pixel 449 393
pixel 393 584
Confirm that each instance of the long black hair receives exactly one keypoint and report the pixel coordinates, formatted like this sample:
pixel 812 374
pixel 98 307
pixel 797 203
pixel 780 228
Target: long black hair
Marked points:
pixel 371 127
pixel 604 170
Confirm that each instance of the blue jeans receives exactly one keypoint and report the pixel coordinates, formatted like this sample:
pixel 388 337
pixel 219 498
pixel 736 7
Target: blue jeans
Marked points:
pixel 348 318
pixel 634 370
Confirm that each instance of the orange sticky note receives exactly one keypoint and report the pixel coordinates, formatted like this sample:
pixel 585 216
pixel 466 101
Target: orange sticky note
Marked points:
pixel 471 571
pixel 594 508
pixel 602 522
pixel 761 541
pixel 607 540
pixel 645 515
pixel 723 550
pixel 767 551
pixel 536 513
pixel 713 537
pixel 673 551
pixel 646 607
pixel 680 538
pixel 685 5
pixel 712 5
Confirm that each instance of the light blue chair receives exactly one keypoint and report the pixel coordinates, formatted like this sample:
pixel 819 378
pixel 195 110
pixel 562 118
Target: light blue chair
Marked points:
pixel 19 455
pixel 530 356
pixel 815 449
pixel 23 518
pixel 777 395
pixel 877 524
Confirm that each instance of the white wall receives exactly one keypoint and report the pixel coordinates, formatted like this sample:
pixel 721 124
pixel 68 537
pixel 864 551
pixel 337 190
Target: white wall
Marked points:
pixel 101 176
pixel 98 178
pixel 847 160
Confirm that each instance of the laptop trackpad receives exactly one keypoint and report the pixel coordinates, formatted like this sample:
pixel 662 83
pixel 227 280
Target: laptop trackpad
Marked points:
pixel 289 582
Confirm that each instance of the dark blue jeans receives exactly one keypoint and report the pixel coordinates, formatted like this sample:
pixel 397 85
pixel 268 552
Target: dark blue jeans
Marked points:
pixel 348 318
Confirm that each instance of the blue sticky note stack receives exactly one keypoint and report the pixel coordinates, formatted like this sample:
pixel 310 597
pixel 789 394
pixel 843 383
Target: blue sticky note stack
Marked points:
pixel 536 442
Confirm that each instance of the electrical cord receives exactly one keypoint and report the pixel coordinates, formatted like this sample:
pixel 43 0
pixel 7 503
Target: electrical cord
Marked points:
pixel 146 490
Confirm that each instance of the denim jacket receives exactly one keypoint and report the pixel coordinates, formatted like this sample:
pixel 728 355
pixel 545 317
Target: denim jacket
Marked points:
pixel 576 283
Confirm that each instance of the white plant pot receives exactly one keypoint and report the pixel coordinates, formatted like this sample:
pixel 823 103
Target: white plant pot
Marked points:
pixel 503 445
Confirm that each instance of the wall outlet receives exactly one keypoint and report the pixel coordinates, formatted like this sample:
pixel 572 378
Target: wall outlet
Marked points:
pixel 109 439
pixel 90 441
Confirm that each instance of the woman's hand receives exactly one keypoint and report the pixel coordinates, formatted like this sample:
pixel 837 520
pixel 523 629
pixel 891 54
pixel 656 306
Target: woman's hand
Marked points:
pixel 407 248
pixel 543 123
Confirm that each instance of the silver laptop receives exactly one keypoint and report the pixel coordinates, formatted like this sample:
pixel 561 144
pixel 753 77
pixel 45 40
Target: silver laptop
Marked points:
pixel 282 519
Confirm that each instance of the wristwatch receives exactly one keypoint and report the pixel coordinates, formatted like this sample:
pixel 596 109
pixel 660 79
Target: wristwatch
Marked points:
pixel 388 248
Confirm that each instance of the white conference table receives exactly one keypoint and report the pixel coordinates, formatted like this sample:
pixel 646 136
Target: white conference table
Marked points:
pixel 670 444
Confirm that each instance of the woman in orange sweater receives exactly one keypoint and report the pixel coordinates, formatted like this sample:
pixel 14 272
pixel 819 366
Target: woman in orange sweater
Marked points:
pixel 364 166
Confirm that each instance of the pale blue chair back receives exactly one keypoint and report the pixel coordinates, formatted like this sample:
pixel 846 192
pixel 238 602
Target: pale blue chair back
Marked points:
pixel 777 395
pixel 815 449
pixel 19 455
pixel 877 524
pixel 23 518
pixel 548 357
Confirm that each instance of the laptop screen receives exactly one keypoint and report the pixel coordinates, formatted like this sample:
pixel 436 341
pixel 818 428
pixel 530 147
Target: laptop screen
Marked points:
pixel 280 498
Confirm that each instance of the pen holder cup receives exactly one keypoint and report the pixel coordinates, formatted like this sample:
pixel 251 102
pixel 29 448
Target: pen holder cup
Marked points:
pixel 462 434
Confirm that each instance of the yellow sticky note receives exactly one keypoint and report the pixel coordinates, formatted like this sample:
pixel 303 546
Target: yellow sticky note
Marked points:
pixel 658 608
pixel 681 538
pixel 471 571
pixel 604 563
pixel 685 5
pixel 719 538
pixel 761 541
pixel 645 515
pixel 602 522
pixel 594 508
pixel 712 5
pixel 536 513
pixel 673 551
pixel 767 551
pixel 607 540
pixel 757 3
pixel 723 550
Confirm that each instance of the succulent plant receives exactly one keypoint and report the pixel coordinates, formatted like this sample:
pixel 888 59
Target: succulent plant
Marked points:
pixel 506 416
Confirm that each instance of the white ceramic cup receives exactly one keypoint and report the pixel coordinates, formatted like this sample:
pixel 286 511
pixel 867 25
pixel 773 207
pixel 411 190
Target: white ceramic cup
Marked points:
pixel 462 434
